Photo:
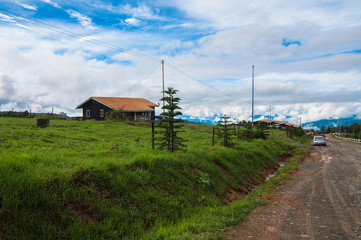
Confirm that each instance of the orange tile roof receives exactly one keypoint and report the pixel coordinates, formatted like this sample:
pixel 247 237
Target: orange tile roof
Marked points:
pixel 280 122
pixel 267 120
pixel 126 104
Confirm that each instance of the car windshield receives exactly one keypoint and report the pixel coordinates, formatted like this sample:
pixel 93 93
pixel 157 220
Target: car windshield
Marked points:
pixel 319 138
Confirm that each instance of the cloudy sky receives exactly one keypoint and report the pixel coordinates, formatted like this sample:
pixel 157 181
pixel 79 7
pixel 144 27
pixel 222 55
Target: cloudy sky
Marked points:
pixel 307 55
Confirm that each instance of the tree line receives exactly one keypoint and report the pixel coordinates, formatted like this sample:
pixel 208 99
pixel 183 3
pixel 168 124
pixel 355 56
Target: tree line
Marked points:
pixel 352 131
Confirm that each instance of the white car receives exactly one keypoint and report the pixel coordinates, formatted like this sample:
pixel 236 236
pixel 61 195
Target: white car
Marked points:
pixel 319 141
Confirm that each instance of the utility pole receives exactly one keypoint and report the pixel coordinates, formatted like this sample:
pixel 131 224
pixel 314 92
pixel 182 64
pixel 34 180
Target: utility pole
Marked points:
pixel 339 132
pixel 300 123
pixel 163 85
pixel 252 94
pixel 270 112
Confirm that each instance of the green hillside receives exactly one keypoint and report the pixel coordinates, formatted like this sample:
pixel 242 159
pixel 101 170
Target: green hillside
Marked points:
pixel 102 180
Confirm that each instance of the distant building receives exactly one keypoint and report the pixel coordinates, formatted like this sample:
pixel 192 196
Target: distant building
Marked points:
pixel 135 108
pixel 277 124
pixel 62 115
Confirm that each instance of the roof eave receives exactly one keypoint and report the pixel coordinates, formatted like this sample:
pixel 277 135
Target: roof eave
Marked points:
pixel 102 103
pixel 81 104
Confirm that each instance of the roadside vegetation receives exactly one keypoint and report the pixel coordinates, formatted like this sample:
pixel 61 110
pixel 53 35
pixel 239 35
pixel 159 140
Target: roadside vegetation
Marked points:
pixel 103 180
pixel 351 131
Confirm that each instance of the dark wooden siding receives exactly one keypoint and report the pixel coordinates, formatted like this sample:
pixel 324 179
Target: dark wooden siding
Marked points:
pixel 94 108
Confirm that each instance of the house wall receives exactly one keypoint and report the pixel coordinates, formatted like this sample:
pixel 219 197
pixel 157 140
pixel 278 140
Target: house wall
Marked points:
pixel 94 107
pixel 142 116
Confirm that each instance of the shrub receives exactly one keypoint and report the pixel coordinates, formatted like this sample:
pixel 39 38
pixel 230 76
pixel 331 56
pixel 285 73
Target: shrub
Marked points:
pixel 117 115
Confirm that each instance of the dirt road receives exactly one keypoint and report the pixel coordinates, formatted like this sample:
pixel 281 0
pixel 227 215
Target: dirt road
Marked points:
pixel 322 200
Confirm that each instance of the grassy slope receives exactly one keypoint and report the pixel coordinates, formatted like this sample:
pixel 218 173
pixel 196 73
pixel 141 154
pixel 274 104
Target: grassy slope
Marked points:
pixel 62 182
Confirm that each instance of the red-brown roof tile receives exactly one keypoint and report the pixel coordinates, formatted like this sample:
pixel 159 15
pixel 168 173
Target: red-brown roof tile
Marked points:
pixel 267 120
pixel 126 104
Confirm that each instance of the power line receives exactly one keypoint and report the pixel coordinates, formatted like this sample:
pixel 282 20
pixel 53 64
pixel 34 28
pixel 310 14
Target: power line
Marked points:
pixel 79 36
pixel 111 46
pixel 198 81
pixel 151 73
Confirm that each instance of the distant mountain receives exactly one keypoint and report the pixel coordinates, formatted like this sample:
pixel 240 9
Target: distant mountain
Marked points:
pixel 205 120
pixel 331 123
pixel 317 125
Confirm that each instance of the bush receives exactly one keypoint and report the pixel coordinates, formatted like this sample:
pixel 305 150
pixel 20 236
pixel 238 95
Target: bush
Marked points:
pixel 14 114
pixel 117 115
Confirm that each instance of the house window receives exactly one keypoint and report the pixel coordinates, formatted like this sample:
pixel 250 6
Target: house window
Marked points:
pixel 87 113
pixel 101 113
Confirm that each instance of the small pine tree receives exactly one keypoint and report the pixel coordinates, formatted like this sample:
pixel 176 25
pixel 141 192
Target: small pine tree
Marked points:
pixel 248 132
pixel 262 131
pixel 170 124
pixel 225 132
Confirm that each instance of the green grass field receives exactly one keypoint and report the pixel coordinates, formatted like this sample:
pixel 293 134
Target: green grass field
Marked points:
pixel 63 182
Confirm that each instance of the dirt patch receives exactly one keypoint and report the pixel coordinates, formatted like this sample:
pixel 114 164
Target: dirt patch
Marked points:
pixel 224 172
pixel 81 209
pixel 99 188
pixel 114 148
pixel 192 172
pixel 88 178
pixel 233 195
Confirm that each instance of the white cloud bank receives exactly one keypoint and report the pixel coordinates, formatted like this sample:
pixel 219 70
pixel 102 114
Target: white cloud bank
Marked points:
pixel 316 77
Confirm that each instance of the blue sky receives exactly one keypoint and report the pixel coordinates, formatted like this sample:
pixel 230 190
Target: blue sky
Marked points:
pixel 307 55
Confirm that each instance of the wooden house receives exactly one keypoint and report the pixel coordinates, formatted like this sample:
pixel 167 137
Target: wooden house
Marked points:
pixel 268 122
pixel 134 108
pixel 280 125
pixel 277 124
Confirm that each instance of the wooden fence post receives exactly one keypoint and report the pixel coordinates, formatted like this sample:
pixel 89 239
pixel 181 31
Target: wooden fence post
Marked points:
pixel 238 132
pixel 213 138
pixel 152 135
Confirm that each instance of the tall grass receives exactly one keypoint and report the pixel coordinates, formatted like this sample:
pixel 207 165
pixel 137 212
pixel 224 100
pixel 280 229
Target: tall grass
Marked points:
pixel 63 182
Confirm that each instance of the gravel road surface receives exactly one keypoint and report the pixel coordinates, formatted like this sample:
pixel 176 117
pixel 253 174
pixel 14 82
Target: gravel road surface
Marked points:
pixel 322 200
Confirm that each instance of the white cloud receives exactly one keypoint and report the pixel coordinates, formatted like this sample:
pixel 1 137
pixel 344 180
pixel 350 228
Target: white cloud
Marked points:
pixel 132 21
pixel 235 13
pixel 52 3
pixel 9 107
pixel 83 20
pixel 65 80
pixel 27 6
pixel 15 20
pixel 7 89
pixel 7 18
pixel 181 25
pixel 142 11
